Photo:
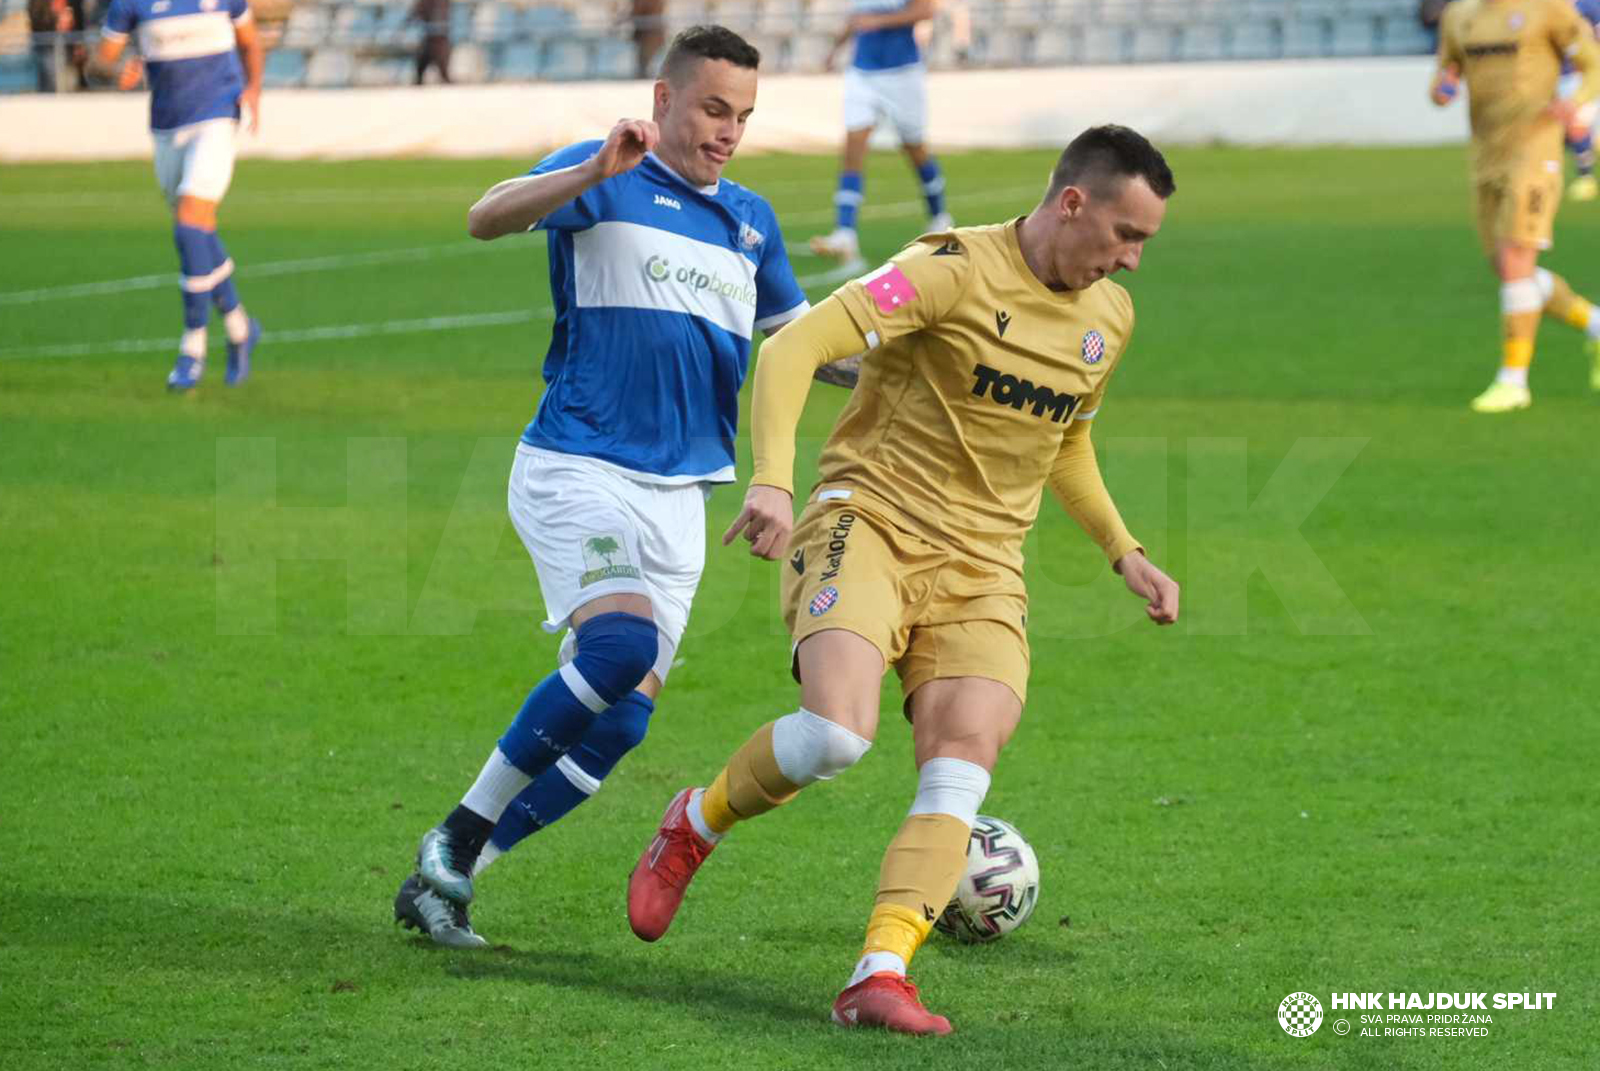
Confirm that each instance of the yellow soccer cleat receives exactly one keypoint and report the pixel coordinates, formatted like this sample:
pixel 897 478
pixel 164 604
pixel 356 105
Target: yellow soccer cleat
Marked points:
pixel 1502 398
pixel 1583 188
pixel 1591 346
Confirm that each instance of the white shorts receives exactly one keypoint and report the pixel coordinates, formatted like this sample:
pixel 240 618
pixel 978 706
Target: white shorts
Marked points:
pixel 896 97
pixel 196 160
pixel 593 531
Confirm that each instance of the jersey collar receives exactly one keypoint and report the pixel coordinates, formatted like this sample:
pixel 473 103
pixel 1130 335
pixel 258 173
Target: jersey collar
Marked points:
pixel 709 191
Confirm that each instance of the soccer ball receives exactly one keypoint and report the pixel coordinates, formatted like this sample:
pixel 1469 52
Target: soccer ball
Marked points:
pixel 999 889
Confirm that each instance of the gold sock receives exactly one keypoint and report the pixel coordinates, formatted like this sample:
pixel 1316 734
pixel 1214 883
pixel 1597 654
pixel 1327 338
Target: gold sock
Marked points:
pixel 1565 304
pixel 749 785
pixel 1519 331
pixel 919 873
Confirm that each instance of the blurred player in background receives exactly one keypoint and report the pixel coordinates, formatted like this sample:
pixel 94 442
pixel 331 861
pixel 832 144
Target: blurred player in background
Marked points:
pixel 203 59
pixel 1510 53
pixel 1581 141
pixel 884 84
pixel 661 270
pixel 989 352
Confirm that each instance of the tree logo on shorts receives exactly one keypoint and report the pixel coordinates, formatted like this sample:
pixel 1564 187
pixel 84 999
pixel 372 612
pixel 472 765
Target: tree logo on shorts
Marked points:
pixel 600 554
pixel 824 600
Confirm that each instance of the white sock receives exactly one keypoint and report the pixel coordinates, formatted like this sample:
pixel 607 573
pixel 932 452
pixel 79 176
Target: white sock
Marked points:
pixel 489 854
pixel 874 962
pixel 237 324
pixel 1594 321
pixel 1517 377
pixel 498 783
pixel 697 817
pixel 193 343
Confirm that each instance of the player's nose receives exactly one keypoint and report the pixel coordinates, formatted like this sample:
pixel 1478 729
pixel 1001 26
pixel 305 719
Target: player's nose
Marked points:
pixel 1129 261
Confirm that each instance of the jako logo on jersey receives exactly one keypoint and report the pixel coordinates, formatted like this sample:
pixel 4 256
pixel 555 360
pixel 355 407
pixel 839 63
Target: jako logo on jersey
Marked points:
pixel 667 202
pixel 659 270
pixel 1009 390
pixel 836 545
pixel 1094 347
pixel 749 237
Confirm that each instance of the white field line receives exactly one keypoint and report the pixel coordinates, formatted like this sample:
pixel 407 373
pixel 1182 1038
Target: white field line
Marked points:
pixel 344 331
pixel 301 266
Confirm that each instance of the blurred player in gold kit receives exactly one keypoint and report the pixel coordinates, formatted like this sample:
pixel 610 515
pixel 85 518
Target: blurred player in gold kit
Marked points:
pixel 1510 53
pixel 988 351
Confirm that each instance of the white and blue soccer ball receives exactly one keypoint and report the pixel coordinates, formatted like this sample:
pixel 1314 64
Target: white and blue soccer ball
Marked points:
pixel 1000 887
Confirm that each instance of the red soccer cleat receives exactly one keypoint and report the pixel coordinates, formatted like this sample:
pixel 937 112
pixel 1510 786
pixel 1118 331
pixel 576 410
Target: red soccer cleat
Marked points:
pixel 658 883
pixel 888 1000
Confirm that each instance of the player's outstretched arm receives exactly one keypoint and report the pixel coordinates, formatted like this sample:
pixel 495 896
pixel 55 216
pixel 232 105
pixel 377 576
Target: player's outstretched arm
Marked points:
pixel 1576 40
pixel 1446 84
pixel 788 360
pixel 513 206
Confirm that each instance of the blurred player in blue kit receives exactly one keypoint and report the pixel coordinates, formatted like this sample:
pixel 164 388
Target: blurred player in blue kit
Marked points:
pixel 884 84
pixel 1584 187
pixel 203 59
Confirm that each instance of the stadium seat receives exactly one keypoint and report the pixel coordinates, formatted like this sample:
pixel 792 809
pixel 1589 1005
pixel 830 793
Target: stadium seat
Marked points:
pixel 1154 44
pixel 329 66
pixel 284 67
pixel 1354 35
pixel 356 23
pixel 468 64
pixel 1201 41
pixel 547 18
pixel 1303 37
pixel 1254 39
pixel 614 58
pixel 518 61
pixel 1107 44
pixel 1058 45
pixel 383 71
pixel 565 59
pixel 1403 35
pixel 17 73
pixel 307 25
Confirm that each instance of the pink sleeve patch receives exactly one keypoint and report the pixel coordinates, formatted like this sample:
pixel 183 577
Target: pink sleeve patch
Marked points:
pixel 890 288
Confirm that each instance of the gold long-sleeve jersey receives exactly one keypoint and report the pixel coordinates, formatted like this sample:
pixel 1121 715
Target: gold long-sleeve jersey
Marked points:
pixel 976 393
pixel 1510 54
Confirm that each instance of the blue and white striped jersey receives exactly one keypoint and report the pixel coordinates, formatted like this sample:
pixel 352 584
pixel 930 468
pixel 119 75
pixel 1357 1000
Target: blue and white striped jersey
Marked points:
pixel 658 286
pixel 884 50
pixel 191 57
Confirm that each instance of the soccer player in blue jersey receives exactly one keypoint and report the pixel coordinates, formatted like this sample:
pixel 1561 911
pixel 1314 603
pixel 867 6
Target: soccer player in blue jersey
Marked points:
pixel 203 59
pixel 884 84
pixel 1580 141
pixel 661 271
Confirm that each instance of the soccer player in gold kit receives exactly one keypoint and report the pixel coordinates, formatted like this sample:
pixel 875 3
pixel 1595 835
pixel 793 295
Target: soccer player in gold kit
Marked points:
pixel 988 352
pixel 1510 52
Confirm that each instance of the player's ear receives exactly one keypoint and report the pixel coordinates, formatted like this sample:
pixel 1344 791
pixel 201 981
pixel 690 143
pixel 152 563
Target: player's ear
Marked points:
pixel 1070 201
pixel 663 98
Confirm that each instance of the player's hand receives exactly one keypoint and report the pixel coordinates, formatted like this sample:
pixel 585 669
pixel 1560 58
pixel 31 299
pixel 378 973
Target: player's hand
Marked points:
pixel 766 520
pixel 1565 112
pixel 625 147
pixel 250 103
pixel 1446 85
pixel 132 74
pixel 1159 590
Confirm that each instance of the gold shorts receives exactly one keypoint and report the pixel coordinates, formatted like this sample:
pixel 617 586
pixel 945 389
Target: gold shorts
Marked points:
pixel 932 613
pixel 1520 207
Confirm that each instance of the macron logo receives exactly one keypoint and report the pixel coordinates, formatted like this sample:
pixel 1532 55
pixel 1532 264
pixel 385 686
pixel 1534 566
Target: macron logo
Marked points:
pixel 663 199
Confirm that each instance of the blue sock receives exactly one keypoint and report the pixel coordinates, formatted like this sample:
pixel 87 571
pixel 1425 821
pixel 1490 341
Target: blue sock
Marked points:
pixel 224 296
pixel 847 200
pixel 1583 150
pixel 932 186
pixel 615 652
pixel 561 788
pixel 194 260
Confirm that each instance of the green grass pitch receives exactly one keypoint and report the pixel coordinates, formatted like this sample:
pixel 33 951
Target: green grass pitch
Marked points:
pixel 1364 760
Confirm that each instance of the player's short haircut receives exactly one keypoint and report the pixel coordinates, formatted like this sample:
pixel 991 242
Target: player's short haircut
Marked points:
pixel 699 43
pixel 1102 157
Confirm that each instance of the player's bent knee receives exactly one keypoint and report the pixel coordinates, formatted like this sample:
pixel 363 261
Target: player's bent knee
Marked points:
pixel 620 729
pixel 616 651
pixel 810 748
